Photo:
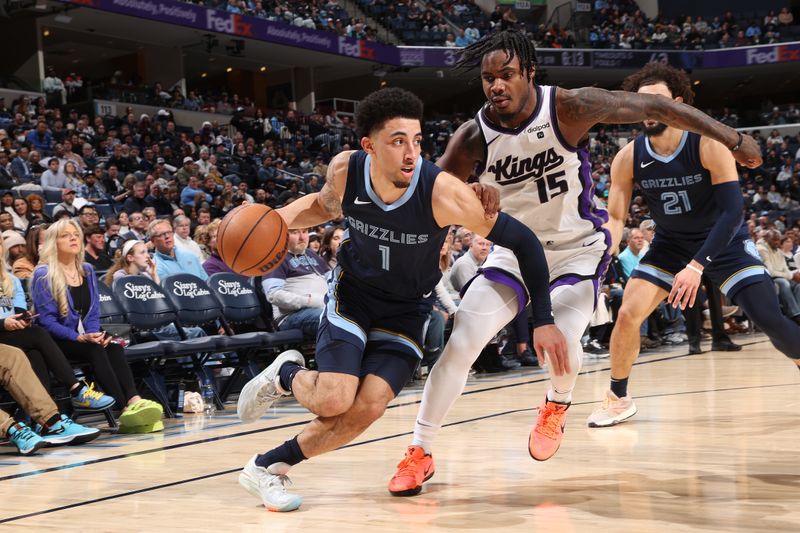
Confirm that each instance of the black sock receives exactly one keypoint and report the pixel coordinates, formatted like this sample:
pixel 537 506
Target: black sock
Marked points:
pixel 287 373
pixel 619 387
pixel 53 420
pixel 289 452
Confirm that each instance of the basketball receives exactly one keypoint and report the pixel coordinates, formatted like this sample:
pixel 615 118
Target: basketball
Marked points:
pixel 252 239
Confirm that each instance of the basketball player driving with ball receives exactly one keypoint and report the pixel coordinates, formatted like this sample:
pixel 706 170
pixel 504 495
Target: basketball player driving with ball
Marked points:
pixel 398 209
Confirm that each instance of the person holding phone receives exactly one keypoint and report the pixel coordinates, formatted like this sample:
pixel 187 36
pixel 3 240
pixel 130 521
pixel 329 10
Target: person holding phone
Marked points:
pixel 16 329
pixel 65 294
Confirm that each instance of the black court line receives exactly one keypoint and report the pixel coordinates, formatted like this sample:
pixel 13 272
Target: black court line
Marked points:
pixel 361 443
pixel 303 422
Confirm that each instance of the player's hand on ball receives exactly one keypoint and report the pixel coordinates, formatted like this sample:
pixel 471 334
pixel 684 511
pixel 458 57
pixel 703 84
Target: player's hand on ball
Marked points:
pixel 549 339
pixel 749 154
pixel 684 288
pixel 490 198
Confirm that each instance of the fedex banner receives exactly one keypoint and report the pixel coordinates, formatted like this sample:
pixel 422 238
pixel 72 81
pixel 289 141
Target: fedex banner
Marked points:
pixel 215 20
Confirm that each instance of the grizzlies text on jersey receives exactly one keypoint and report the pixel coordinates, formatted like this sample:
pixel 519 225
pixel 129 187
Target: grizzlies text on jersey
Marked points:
pixel 391 248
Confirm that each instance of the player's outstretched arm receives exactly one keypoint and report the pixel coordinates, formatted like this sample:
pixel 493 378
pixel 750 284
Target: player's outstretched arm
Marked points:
pixel 319 207
pixel 456 203
pixel 589 106
pixel 619 194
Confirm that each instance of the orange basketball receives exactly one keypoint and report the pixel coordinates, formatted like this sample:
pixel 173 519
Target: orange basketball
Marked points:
pixel 252 239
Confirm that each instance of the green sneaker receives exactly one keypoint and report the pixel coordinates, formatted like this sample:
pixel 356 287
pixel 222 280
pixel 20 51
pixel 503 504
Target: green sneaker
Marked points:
pixel 141 413
pixel 156 426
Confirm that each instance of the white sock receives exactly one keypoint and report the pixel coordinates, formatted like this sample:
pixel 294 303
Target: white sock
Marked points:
pixel 424 433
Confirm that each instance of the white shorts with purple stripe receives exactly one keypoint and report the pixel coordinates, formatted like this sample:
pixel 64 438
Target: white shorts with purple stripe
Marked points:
pixel 569 263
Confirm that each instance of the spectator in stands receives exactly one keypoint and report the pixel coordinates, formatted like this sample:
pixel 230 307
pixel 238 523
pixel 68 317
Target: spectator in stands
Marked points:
pixel 20 166
pixel 14 245
pixel 66 205
pixel 466 266
pixel 20 214
pixel 112 237
pixel 187 171
pixel 88 216
pixel 138 227
pixel 158 201
pixel 90 190
pixel 6 179
pixel 73 180
pixel 785 18
pixel 136 201
pixel 169 259
pixel 631 256
pixel 183 239
pixel 64 293
pixel 96 248
pixel 19 379
pixel 329 246
pixel 40 138
pixel 788 282
pixel 297 288
pixel 53 179
pixel 23 266
pixel 189 193
pixel 214 263
pixel 6 221
pixel 16 329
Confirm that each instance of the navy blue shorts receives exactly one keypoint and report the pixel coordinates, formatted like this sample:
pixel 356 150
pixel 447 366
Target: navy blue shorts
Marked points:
pixel 738 266
pixel 362 332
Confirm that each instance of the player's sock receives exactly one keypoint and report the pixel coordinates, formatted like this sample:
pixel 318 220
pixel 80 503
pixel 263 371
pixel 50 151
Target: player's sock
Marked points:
pixel 287 373
pixel 619 387
pixel 424 433
pixel 289 452
pixel 555 395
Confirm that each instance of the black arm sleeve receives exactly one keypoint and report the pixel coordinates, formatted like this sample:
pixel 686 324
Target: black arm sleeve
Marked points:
pixel 728 197
pixel 512 234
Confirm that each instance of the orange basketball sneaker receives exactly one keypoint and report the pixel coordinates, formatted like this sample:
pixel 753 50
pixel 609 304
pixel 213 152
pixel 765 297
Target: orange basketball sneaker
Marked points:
pixel 546 435
pixel 415 469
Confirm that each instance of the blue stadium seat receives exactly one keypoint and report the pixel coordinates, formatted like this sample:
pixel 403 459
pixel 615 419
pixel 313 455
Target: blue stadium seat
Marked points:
pixel 52 196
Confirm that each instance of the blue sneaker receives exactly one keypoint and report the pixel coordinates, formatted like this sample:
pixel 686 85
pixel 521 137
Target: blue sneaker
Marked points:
pixel 24 439
pixel 89 399
pixel 65 431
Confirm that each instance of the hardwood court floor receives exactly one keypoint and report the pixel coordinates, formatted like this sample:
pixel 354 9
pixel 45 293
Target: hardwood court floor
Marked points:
pixel 713 448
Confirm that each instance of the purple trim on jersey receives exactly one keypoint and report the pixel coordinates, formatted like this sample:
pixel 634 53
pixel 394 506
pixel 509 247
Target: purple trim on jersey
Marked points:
pixel 586 207
pixel 569 279
pixel 518 129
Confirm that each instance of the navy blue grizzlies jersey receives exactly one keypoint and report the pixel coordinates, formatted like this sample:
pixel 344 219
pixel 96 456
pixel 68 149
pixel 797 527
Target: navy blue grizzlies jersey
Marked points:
pixel 677 188
pixel 393 249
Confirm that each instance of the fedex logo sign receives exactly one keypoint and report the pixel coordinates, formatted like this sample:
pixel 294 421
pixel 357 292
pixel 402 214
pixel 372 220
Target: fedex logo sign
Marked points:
pixel 778 54
pixel 234 24
pixel 358 49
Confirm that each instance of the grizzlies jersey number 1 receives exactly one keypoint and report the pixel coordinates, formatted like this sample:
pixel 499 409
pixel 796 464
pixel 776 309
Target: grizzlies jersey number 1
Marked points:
pixel 392 248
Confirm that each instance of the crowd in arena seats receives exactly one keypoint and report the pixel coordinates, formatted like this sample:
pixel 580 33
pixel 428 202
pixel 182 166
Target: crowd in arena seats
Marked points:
pixel 621 24
pixel 147 196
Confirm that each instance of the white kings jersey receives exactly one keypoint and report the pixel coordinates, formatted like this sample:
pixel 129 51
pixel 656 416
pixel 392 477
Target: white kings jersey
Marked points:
pixel 543 182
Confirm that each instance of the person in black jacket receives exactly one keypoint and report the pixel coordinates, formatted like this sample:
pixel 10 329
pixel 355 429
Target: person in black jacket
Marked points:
pixel 136 202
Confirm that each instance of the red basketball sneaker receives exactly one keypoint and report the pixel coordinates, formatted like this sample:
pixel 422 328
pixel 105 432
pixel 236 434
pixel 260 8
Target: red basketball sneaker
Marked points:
pixel 415 469
pixel 546 435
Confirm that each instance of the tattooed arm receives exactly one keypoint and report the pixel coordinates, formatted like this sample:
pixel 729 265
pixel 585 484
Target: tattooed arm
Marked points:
pixel 580 109
pixel 320 207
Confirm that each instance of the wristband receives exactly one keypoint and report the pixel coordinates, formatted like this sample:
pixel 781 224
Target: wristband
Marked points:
pixel 695 269
pixel 739 142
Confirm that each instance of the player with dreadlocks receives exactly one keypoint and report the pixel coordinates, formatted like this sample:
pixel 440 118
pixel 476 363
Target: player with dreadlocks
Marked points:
pixel 529 142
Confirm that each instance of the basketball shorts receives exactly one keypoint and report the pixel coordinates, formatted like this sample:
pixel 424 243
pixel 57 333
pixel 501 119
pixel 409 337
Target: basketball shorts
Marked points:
pixel 738 266
pixel 363 332
pixel 586 258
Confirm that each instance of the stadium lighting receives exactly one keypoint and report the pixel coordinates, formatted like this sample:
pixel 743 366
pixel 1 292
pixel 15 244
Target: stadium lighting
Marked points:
pixel 46 33
pixel 204 75
pixel 263 69
pixel 229 69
